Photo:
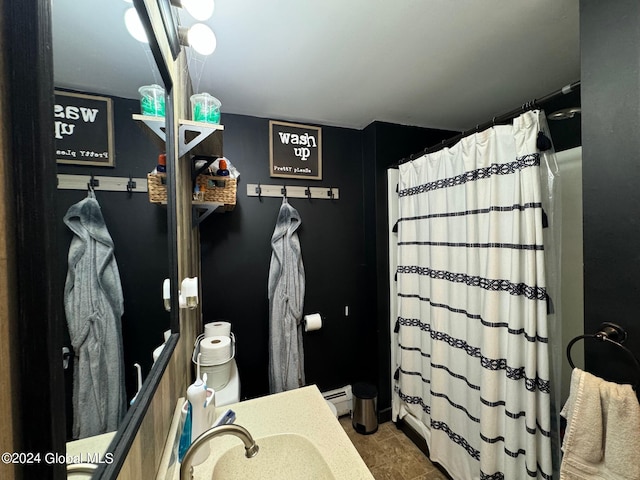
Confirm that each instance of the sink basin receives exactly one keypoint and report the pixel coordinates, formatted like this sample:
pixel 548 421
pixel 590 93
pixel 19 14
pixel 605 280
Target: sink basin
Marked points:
pixel 282 456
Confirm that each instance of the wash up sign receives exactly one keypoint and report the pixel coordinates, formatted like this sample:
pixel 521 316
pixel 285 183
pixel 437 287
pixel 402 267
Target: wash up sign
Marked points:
pixel 295 151
pixel 83 129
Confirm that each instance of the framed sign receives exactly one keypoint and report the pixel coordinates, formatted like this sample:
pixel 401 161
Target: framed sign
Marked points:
pixel 295 151
pixel 84 129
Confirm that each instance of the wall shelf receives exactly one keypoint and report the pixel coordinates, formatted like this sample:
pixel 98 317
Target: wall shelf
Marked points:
pixel 202 210
pixel 155 124
pixel 199 138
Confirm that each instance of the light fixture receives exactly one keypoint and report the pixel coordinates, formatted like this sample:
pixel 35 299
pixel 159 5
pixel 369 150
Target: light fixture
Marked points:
pixel 200 37
pixel 199 9
pixel 134 25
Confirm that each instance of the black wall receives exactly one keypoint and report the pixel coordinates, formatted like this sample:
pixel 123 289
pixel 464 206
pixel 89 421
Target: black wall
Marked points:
pixel 139 232
pixel 610 51
pixel 566 133
pixel 384 145
pixel 236 251
pixel 339 246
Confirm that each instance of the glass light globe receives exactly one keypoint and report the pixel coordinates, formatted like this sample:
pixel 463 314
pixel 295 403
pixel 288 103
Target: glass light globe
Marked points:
pixel 134 25
pixel 199 9
pixel 202 39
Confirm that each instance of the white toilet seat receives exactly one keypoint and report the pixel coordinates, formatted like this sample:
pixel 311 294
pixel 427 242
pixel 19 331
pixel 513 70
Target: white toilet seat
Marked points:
pixel 333 408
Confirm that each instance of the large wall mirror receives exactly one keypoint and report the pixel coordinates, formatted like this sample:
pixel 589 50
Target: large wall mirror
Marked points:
pixel 121 352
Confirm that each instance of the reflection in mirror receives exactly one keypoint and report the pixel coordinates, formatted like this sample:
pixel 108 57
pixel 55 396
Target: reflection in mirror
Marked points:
pixel 113 258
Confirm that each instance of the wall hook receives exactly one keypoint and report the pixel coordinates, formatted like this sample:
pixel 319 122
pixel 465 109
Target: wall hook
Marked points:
pixel 307 192
pixel 330 193
pixel 131 185
pixel 93 182
pixel 283 191
pixel 259 192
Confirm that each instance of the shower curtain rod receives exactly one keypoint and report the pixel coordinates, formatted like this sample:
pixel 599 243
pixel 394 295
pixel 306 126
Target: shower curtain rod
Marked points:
pixel 499 119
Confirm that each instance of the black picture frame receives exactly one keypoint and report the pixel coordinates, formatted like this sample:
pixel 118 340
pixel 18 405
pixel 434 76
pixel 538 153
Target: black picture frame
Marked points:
pixel 83 129
pixel 295 150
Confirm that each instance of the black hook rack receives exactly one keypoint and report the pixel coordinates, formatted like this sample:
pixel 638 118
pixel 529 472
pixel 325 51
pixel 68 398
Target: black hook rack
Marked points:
pixel 308 192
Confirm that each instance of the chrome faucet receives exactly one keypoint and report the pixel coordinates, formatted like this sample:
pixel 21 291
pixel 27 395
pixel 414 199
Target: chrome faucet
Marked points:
pixel 81 469
pixel 250 447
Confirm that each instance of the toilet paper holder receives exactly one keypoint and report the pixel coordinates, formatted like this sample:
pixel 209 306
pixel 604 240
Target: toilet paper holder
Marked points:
pixel 312 321
pixel 196 350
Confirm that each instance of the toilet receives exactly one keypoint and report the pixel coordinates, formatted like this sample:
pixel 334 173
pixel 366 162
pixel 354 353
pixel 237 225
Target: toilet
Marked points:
pixel 333 408
pixel 231 391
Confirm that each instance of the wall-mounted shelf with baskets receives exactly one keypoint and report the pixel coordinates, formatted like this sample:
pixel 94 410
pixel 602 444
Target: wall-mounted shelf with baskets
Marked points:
pixel 218 194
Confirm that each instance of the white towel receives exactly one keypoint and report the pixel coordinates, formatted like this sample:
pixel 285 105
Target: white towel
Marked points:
pixel 602 439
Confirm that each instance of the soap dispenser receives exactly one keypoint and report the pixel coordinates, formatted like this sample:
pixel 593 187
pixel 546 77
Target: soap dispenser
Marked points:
pixel 197 396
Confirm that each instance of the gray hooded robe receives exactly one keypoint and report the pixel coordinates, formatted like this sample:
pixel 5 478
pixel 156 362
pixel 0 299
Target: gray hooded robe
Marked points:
pixel 94 304
pixel 286 300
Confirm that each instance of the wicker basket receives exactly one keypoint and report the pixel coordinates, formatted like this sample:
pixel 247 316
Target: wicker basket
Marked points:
pixel 214 189
pixel 157 186
pixel 218 189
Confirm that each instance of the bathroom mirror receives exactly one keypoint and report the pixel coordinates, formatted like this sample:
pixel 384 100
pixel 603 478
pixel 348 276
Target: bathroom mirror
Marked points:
pixel 142 232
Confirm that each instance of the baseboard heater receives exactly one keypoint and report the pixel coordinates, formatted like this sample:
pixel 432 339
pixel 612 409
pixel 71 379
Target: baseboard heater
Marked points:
pixel 341 398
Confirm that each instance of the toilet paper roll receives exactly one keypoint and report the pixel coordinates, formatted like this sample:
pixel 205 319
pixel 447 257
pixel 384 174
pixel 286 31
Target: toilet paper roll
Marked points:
pixel 215 329
pixel 215 350
pixel 312 322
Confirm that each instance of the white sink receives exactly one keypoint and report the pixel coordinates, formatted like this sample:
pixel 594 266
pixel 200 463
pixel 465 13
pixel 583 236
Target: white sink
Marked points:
pixel 282 456
pixel 297 435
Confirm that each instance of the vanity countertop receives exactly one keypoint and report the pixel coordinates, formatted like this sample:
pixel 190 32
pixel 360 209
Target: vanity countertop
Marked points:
pixel 302 411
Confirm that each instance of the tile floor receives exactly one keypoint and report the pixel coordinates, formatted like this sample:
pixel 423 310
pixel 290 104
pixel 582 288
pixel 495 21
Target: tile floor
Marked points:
pixel 390 455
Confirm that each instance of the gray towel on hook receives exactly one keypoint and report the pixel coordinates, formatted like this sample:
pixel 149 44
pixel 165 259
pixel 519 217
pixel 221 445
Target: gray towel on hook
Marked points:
pixel 286 301
pixel 94 305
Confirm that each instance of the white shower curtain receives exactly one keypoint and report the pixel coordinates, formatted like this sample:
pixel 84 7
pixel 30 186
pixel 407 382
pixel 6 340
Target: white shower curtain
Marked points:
pixel 472 363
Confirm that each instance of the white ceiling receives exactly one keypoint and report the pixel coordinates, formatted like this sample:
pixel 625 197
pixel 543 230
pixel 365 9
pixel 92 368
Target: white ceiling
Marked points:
pixel 433 63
